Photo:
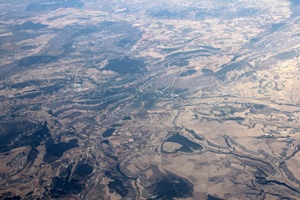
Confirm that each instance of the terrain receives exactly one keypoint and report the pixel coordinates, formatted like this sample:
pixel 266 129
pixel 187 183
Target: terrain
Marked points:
pixel 149 99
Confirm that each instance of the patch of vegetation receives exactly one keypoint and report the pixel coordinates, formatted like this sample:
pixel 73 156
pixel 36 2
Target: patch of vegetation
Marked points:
pixel 188 73
pixel 171 186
